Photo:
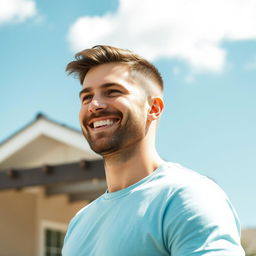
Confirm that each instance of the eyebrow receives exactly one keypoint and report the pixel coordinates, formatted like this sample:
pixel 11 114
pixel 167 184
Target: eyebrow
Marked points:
pixel 88 89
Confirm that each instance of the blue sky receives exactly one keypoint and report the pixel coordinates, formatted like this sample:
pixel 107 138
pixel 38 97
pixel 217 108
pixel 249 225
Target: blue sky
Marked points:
pixel 205 50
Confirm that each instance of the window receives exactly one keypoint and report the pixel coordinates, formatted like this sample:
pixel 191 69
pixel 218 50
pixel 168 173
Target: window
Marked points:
pixel 53 242
pixel 51 237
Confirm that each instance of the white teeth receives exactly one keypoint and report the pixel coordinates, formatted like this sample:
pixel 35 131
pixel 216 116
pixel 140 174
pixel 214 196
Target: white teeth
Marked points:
pixel 103 123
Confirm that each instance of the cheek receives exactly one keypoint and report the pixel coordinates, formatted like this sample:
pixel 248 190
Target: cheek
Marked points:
pixel 82 114
pixel 140 107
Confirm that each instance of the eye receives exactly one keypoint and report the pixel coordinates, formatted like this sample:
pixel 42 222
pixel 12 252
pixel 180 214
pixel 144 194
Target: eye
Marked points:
pixel 113 92
pixel 86 98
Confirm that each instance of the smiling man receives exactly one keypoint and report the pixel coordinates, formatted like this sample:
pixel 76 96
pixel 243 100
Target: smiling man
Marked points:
pixel 114 118
pixel 151 207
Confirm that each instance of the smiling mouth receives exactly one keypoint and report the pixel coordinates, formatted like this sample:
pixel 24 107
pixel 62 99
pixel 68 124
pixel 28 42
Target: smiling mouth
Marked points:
pixel 103 123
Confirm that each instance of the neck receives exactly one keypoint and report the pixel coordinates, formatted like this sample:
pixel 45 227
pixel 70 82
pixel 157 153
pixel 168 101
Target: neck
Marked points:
pixel 128 166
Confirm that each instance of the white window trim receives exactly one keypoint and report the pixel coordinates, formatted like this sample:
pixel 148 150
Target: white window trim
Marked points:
pixel 44 224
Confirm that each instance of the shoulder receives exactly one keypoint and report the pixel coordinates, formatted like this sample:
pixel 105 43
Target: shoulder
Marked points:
pixel 178 179
pixel 180 174
pixel 199 211
pixel 196 193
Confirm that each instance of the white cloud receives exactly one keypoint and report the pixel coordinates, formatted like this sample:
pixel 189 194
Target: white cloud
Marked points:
pixel 16 10
pixel 191 30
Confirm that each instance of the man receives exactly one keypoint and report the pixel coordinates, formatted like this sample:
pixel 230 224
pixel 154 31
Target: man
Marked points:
pixel 150 207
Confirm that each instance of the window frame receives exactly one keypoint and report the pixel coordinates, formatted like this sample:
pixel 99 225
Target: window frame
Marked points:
pixel 45 224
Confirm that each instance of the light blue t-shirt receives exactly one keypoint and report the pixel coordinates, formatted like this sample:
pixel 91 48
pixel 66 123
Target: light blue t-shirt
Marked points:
pixel 174 211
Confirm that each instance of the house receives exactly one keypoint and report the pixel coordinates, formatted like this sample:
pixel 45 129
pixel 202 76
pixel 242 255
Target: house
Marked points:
pixel 47 173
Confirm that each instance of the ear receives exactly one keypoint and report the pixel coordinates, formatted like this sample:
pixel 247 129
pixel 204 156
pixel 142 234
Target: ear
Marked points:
pixel 156 108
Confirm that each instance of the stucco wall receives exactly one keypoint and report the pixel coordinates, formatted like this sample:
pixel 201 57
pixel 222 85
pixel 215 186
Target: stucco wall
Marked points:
pixel 54 209
pixel 17 223
pixel 22 213
pixel 57 208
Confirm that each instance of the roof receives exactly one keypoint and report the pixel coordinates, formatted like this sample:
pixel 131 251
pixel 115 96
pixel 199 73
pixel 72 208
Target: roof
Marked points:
pixel 38 116
pixel 43 126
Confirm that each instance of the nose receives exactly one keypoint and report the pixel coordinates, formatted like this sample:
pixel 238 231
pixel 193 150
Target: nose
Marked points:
pixel 96 105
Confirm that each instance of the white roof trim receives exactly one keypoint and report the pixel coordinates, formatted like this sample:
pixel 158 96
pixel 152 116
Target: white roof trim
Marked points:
pixel 40 127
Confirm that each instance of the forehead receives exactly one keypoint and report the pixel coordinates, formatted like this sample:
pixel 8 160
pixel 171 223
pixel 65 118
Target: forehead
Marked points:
pixel 108 73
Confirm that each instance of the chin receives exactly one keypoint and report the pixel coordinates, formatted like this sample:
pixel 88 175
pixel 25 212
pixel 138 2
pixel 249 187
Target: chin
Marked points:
pixel 102 149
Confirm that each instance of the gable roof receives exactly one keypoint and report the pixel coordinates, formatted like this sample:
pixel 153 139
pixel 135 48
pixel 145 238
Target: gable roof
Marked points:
pixel 43 126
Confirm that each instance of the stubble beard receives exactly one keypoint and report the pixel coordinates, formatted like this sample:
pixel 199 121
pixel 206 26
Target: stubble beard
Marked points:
pixel 121 139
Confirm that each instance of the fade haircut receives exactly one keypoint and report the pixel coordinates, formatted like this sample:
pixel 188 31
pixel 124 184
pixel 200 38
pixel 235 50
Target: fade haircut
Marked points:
pixel 102 54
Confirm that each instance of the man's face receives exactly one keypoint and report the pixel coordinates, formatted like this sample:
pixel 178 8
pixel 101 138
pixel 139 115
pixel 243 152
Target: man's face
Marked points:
pixel 114 109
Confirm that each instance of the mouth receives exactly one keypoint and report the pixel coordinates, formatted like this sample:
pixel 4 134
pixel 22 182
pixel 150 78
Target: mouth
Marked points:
pixel 103 122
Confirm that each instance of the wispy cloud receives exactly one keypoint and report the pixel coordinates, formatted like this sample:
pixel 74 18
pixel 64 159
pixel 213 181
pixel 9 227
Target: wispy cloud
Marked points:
pixel 189 30
pixel 16 10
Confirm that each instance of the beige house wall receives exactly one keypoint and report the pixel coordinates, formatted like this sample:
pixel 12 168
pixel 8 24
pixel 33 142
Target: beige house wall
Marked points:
pixel 56 208
pixel 17 223
pixel 22 215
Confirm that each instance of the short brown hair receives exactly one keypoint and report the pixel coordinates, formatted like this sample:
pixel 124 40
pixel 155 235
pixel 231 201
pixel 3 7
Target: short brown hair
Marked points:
pixel 102 54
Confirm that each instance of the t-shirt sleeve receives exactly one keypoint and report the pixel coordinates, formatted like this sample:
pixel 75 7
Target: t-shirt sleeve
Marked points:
pixel 200 221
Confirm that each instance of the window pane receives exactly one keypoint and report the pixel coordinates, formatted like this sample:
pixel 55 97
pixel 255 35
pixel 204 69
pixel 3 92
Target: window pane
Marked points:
pixel 53 242
pixel 48 252
pixel 53 238
pixel 48 237
pixel 58 239
pixel 62 238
